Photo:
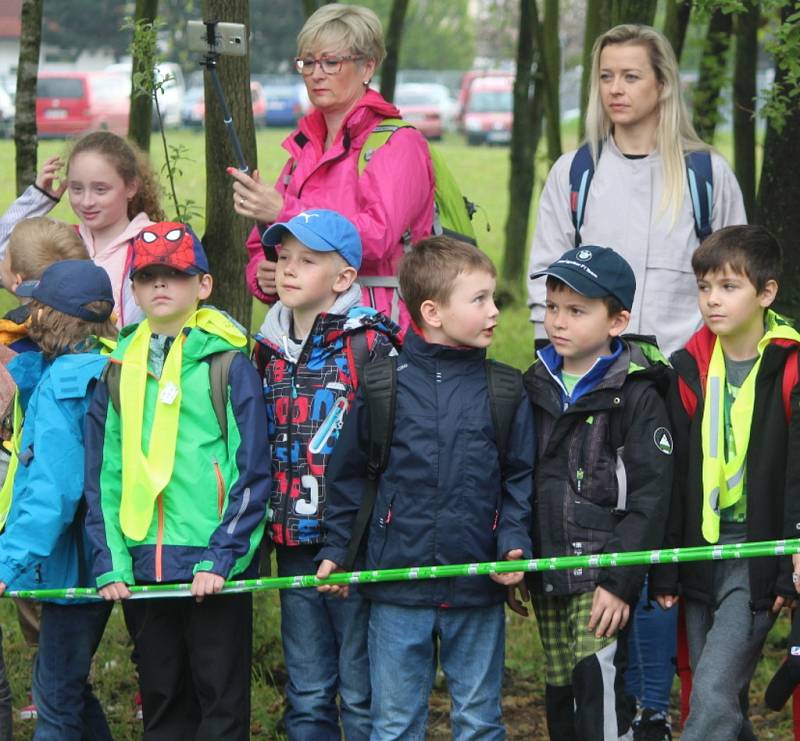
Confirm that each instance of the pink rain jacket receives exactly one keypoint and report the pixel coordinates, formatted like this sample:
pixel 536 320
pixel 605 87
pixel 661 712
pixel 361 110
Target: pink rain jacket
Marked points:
pixel 393 194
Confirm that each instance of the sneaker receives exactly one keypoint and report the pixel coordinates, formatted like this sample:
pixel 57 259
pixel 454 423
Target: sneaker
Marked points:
pixel 653 725
pixel 29 711
pixel 137 703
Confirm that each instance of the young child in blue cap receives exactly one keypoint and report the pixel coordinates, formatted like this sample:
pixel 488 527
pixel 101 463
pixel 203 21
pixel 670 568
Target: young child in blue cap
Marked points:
pixel 43 544
pixel 311 346
pixel 603 477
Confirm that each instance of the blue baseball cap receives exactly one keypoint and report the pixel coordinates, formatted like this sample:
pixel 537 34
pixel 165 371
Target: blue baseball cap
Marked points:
pixel 69 285
pixel 320 230
pixel 595 272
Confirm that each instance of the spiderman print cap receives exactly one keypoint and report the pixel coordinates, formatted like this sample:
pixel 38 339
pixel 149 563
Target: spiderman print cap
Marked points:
pixel 171 244
pixel 320 230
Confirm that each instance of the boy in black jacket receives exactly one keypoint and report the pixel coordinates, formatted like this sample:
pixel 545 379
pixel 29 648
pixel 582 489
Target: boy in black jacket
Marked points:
pixel 603 478
pixel 445 497
pixel 732 390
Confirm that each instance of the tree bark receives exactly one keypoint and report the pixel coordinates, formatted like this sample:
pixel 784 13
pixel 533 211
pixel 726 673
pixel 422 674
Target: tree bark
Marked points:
pixel 551 70
pixel 25 133
pixel 744 96
pixel 394 38
pixel 713 65
pixel 140 122
pixel 525 133
pixel 598 20
pixel 676 23
pixel 633 11
pixel 226 231
pixel 779 191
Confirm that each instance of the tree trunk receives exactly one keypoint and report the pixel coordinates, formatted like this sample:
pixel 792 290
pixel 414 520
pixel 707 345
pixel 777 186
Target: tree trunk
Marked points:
pixel 25 120
pixel 633 11
pixel 779 191
pixel 744 97
pixel 525 133
pixel 551 70
pixel 676 23
pixel 394 38
pixel 598 20
pixel 226 231
pixel 713 66
pixel 309 6
pixel 140 122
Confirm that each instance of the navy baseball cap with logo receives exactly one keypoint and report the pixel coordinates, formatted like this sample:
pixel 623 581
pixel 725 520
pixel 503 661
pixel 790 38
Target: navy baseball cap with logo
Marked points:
pixel 320 230
pixel 595 272
pixel 69 286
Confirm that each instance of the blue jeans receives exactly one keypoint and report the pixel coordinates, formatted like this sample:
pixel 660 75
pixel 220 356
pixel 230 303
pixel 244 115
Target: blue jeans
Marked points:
pixel 652 645
pixel 66 706
pixel 403 644
pixel 325 648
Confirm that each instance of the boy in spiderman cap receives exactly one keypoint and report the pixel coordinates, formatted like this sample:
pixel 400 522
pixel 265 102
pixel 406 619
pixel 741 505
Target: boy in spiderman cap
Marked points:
pixel 177 480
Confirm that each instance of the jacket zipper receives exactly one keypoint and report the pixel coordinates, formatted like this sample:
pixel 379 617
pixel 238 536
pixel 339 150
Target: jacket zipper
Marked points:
pixel 220 488
pixel 342 155
pixel 290 476
pixel 160 538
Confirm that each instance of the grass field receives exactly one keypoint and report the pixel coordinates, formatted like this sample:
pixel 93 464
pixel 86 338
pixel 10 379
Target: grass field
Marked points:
pixel 483 175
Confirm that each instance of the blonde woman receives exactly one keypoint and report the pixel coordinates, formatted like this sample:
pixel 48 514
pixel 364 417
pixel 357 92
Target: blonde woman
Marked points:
pixel 638 202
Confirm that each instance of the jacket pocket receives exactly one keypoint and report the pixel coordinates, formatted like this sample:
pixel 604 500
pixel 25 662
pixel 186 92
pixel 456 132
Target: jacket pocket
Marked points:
pixel 379 526
pixel 590 516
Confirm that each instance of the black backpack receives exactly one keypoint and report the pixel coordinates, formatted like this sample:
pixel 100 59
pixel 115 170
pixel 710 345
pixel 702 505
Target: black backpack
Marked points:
pixel 379 381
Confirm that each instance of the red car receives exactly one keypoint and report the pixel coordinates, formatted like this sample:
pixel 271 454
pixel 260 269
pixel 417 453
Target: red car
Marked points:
pixel 426 105
pixel 489 112
pixel 74 103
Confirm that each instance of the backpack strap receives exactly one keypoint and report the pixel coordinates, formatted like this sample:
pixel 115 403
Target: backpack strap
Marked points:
pixel 379 382
pixel 505 394
pixel 581 172
pixel 378 137
pixel 111 377
pixel 701 190
pixel 791 375
pixel 357 348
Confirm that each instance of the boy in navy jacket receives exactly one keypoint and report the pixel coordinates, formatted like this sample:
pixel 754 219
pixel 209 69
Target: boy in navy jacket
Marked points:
pixel 445 497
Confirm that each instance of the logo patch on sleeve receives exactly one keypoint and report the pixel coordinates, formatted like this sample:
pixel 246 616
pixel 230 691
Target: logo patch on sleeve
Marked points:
pixel 663 440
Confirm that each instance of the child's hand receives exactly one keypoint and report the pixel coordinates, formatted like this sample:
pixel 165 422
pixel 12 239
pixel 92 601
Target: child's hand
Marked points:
pixel 609 613
pixel 206 583
pixel 665 601
pixel 516 595
pixel 254 199
pixel 512 577
pixel 326 568
pixel 796 571
pixel 781 602
pixel 115 591
pixel 47 177
pixel 2 588
pixel 265 277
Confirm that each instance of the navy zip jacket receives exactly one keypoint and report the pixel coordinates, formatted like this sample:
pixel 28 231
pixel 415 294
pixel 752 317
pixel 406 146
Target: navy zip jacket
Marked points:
pixel 442 498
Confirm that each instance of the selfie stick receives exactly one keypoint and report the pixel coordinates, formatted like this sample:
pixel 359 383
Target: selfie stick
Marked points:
pixel 210 63
pixel 420 573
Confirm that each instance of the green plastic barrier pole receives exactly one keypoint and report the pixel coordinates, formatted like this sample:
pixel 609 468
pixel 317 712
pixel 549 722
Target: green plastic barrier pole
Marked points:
pixel 415 573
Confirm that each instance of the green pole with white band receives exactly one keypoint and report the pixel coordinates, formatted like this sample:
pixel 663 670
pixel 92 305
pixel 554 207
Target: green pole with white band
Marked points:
pixel 415 573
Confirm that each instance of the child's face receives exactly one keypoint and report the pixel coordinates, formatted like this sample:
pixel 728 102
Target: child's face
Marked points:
pixel 580 328
pixel 469 317
pixel 310 281
pixel 98 194
pixel 168 297
pixel 731 306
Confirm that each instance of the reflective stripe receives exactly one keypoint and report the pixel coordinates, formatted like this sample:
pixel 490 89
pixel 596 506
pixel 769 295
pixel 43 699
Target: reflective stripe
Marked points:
pixel 622 481
pixel 714 420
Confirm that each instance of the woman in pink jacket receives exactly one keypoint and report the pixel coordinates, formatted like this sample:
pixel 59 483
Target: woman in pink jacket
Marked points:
pixel 390 202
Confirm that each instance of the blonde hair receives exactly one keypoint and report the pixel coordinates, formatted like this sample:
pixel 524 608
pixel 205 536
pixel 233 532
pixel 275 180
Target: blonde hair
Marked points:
pixel 57 333
pixel 131 164
pixel 675 135
pixel 38 242
pixel 353 26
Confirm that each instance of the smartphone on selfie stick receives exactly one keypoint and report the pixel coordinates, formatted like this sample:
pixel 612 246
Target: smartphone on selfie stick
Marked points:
pixel 212 39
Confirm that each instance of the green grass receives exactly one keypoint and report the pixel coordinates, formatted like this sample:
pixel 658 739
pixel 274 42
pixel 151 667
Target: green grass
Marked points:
pixel 483 175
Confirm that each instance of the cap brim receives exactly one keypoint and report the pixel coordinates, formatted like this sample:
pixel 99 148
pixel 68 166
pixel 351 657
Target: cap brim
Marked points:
pixel 309 238
pixel 26 288
pixel 192 270
pixel 574 280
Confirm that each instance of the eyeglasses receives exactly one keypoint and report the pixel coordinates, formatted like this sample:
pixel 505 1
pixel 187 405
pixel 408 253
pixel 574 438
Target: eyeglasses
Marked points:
pixel 329 65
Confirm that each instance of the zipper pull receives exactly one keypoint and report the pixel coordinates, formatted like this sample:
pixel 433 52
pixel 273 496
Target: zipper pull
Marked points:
pixel 579 478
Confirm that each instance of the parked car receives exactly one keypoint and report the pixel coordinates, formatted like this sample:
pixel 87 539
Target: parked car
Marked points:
pixel 193 112
pixel 466 89
pixel 171 92
pixel 74 103
pixel 7 110
pixel 428 106
pixel 489 111
pixel 284 104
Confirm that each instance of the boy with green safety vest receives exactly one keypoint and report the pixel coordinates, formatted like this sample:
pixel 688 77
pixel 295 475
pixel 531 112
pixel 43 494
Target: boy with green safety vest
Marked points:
pixel 737 471
pixel 178 490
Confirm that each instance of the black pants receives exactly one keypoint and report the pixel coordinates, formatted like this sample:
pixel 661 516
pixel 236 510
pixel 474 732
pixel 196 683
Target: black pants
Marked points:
pixel 194 666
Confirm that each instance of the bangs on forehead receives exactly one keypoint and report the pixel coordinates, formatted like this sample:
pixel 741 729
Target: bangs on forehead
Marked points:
pixel 334 37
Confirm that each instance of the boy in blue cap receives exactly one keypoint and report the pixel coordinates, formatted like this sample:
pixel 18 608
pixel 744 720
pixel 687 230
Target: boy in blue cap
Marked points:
pixel 311 346
pixel 43 543
pixel 603 478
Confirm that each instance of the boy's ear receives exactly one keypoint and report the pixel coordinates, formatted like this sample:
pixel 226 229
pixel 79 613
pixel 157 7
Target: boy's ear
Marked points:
pixel 768 293
pixel 429 310
pixel 206 284
pixel 344 279
pixel 619 323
